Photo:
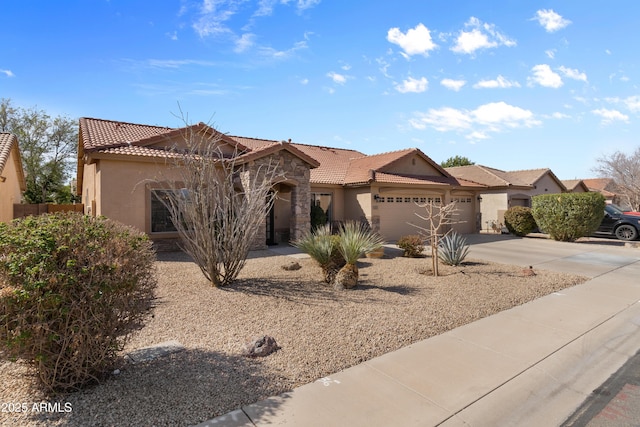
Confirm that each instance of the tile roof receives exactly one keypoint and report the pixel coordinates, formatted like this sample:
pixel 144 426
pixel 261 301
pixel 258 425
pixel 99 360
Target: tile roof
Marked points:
pixel 9 144
pixel 492 177
pixel 335 166
pixel 334 162
pixel 607 184
pixel 573 184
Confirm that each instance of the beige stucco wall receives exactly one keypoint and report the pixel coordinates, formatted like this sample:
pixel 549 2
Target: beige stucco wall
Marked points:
pixel 357 204
pixel 490 206
pixel 546 185
pixel 9 189
pixel 413 165
pixel 121 189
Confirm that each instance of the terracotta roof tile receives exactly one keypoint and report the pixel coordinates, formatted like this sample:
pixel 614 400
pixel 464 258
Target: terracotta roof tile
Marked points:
pixel 599 184
pixel 98 133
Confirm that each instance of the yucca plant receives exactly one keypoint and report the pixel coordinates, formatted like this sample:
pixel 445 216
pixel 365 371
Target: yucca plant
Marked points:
pixel 322 246
pixel 453 249
pixel 355 240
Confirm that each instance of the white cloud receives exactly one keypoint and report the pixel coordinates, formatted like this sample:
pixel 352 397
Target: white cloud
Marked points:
pixel 609 116
pixel 499 82
pixel 480 36
pixel 337 78
pixel 416 41
pixel 413 85
pixel 304 81
pixel 573 74
pixel 455 85
pixel 245 42
pixel 213 16
pixel 551 53
pixel 173 36
pixel 282 54
pixel 443 120
pixel 544 76
pixel 7 73
pixel 632 103
pixel 550 20
pixel 489 118
pixel 558 115
pixel 265 7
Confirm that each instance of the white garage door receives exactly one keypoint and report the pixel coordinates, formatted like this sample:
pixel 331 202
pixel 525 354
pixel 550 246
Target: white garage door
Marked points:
pixel 465 214
pixel 397 211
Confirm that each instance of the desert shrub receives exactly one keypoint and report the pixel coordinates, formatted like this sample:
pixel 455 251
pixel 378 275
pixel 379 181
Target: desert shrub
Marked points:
pixel 453 249
pixel 322 247
pixel 412 245
pixel 72 289
pixel 355 240
pixel 519 220
pixel 318 217
pixel 568 216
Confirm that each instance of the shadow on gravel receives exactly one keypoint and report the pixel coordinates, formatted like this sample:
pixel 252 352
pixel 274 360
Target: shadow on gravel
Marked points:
pixel 184 388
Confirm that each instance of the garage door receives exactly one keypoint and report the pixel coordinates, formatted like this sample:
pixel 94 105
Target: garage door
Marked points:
pixel 465 215
pixel 397 211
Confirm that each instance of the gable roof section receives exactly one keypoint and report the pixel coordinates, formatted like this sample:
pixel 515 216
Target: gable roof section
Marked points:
pixel 492 177
pixel 333 163
pixel 376 167
pixel 9 145
pixel 573 184
pixel 600 184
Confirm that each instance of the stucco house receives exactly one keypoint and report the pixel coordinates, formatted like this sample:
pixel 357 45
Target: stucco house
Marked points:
pixel 605 186
pixel 12 180
pixel 505 189
pixel 118 162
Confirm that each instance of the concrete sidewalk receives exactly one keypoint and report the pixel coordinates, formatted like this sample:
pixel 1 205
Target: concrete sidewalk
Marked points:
pixel 531 365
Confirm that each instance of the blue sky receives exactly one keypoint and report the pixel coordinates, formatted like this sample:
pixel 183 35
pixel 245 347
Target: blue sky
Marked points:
pixel 509 84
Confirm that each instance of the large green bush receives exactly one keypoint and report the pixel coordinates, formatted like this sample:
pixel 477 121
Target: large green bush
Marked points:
pixel 519 220
pixel 72 289
pixel 568 216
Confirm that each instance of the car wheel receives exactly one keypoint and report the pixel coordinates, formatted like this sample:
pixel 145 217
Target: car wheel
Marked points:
pixel 626 232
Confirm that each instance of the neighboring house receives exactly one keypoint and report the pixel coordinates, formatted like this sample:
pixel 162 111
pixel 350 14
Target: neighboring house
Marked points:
pixel 12 181
pixel 604 186
pixel 122 166
pixel 575 185
pixel 118 164
pixel 505 189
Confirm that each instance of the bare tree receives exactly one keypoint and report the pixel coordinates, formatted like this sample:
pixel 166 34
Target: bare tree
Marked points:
pixel 439 219
pixel 219 201
pixel 625 171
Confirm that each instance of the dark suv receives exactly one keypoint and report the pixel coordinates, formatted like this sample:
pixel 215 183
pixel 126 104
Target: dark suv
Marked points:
pixel 619 224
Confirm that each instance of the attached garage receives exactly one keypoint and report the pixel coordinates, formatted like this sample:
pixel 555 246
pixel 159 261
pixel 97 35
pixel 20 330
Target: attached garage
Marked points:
pixel 398 211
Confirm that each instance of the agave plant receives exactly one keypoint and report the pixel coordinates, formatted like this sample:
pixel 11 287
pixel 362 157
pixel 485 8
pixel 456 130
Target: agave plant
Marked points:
pixel 355 240
pixel 453 249
pixel 323 248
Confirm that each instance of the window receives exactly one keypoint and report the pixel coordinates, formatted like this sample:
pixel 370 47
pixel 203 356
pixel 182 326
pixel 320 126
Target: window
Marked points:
pixel 160 216
pixel 390 199
pixel 324 202
pixel 399 199
pixel 415 200
pixel 407 199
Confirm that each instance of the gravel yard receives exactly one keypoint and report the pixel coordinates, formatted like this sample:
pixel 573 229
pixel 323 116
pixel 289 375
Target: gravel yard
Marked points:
pixel 320 331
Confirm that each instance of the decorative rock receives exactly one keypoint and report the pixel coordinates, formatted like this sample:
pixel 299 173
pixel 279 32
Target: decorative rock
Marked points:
pixel 528 271
pixel 293 265
pixel 260 347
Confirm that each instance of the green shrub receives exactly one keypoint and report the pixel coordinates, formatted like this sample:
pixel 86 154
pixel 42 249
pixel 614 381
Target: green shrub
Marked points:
pixel 355 240
pixel 72 289
pixel 322 246
pixel 568 216
pixel 453 249
pixel 412 245
pixel 519 220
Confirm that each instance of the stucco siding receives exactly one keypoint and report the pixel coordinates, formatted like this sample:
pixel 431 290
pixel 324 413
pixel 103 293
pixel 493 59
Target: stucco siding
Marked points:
pixel 9 189
pixel 413 165
pixel 490 206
